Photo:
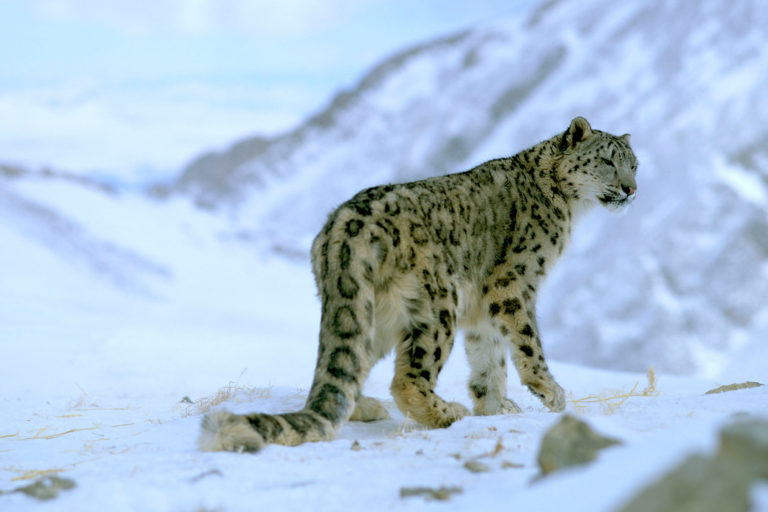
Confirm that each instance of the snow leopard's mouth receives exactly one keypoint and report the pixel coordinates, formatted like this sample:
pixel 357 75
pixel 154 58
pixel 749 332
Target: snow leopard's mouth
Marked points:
pixel 616 202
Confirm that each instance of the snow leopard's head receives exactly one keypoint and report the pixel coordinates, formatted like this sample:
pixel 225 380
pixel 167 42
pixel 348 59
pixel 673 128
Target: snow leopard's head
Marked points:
pixel 597 166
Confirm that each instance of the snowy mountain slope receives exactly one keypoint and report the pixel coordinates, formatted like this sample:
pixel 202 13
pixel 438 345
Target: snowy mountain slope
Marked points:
pixel 683 271
pixel 45 217
pixel 121 266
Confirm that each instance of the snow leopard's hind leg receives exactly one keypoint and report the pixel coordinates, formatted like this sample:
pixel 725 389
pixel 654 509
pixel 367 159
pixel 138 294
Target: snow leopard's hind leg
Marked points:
pixel 426 342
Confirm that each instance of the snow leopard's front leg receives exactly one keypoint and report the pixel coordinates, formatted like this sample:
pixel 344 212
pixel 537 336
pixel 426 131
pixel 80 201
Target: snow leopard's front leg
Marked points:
pixel 515 320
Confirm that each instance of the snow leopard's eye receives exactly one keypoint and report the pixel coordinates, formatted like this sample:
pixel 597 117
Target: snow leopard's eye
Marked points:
pixel 608 162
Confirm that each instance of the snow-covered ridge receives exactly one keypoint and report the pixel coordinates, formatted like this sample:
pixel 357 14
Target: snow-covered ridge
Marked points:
pixel 220 178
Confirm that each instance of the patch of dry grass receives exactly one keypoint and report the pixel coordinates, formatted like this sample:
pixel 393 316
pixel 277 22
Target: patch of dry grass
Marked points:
pixel 230 392
pixel 613 400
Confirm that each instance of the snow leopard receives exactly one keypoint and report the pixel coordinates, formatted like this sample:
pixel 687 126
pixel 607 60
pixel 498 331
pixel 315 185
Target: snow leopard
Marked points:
pixel 403 267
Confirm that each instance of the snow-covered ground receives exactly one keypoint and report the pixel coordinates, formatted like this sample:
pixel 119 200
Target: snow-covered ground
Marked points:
pixel 95 376
pixel 113 421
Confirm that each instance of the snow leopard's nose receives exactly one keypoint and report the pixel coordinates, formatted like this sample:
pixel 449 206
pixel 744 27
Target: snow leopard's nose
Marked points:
pixel 627 189
pixel 627 183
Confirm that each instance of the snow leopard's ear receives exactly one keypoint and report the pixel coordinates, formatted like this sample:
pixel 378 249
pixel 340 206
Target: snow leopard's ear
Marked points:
pixel 625 138
pixel 577 132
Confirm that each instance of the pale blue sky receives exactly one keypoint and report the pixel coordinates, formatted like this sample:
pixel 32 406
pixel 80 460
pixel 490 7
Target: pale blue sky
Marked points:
pixel 122 74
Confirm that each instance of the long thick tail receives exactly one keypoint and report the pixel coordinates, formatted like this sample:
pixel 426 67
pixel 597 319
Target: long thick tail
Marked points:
pixel 342 268
pixel 224 431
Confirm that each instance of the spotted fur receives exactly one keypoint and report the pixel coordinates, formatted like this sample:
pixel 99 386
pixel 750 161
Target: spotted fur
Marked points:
pixel 405 266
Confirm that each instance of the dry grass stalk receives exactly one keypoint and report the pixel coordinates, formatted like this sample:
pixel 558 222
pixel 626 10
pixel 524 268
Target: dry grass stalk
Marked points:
pixel 34 474
pixel 105 409
pixel 612 402
pixel 59 434
pixel 650 389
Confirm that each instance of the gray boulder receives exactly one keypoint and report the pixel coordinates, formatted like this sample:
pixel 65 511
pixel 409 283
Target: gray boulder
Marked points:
pixel 712 484
pixel 570 442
